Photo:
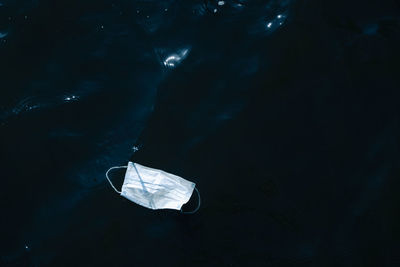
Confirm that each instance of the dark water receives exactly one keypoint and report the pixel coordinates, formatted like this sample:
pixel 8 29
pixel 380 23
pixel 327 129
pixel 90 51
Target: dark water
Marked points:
pixel 284 113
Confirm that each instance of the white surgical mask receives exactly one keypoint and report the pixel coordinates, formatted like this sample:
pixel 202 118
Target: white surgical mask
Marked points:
pixel 155 189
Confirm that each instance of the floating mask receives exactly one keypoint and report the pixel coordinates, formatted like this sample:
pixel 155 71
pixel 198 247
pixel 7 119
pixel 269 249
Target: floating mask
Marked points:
pixel 155 189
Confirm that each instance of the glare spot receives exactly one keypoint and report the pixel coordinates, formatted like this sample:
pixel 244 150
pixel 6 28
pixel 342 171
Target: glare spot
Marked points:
pixel 275 23
pixel 2 35
pixel 174 59
pixel 135 148
pixel 184 52
pixel 166 9
pixel 102 26
pixel 28 108
pixel 137 11
pixel 71 98
pixel 147 16
pixel 26 17
pixel 169 61
pixel 215 10
pixel 221 3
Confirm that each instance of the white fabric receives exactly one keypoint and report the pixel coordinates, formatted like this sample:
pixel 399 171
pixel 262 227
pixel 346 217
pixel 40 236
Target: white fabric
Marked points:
pixel 155 189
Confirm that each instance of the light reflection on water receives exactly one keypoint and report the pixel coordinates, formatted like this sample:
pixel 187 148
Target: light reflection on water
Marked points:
pixel 173 60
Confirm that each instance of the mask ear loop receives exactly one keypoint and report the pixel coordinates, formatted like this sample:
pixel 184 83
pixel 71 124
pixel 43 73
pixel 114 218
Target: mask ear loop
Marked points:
pixel 108 178
pixel 198 205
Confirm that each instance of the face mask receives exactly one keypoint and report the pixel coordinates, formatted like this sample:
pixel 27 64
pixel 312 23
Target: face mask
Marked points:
pixel 155 189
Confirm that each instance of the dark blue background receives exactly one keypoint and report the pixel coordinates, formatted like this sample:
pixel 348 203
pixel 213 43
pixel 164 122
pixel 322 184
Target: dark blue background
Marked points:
pixel 291 132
